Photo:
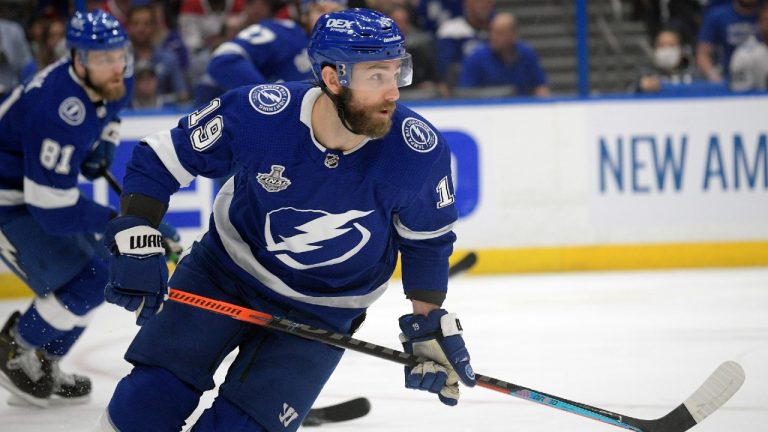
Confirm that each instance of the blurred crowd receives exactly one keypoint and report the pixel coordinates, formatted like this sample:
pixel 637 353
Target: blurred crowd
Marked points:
pixel 188 51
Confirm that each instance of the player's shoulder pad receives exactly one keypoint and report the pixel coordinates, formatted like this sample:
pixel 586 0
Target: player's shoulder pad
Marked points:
pixel 56 98
pixel 412 149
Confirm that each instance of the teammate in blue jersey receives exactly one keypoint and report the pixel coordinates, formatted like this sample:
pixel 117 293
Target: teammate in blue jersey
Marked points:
pixel 62 123
pixel 335 180
pixel 273 50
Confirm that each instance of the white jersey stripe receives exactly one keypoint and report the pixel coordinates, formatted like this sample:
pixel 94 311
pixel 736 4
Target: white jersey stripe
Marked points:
pixel 58 316
pixel 47 197
pixel 241 254
pixel 409 234
pixel 230 48
pixel 162 144
pixel 11 197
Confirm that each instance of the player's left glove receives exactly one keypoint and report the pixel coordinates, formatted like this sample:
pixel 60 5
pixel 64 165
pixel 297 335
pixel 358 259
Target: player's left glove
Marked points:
pixel 437 337
pixel 103 152
pixel 138 275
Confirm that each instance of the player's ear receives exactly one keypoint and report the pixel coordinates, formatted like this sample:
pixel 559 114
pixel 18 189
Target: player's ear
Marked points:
pixel 77 63
pixel 331 79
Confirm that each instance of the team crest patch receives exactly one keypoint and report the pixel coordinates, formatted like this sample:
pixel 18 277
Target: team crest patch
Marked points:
pixel 269 98
pixel 72 111
pixel 418 135
pixel 274 181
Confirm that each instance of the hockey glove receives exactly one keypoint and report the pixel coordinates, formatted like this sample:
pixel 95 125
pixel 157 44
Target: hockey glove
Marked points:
pixel 138 275
pixel 103 152
pixel 436 337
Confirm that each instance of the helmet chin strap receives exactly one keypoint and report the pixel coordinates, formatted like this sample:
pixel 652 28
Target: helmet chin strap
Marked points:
pixel 339 108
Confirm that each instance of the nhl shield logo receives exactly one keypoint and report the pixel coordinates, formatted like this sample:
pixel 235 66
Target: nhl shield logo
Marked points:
pixel 269 98
pixel 418 135
pixel 274 181
pixel 331 160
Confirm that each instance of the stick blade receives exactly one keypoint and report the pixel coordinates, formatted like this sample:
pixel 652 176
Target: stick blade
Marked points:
pixel 724 382
pixel 344 411
pixel 464 264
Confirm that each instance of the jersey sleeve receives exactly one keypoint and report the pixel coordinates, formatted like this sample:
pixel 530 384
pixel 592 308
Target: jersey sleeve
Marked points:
pixel 231 67
pixel 425 233
pixel 202 144
pixel 51 168
pixel 240 61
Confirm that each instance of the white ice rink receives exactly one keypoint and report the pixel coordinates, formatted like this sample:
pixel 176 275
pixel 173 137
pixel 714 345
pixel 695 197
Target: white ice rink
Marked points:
pixel 636 343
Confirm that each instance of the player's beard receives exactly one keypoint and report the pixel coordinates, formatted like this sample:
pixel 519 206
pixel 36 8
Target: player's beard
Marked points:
pixel 364 120
pixel 108 91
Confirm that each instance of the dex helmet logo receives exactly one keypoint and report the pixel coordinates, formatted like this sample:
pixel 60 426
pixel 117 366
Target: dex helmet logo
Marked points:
pixel 339 23
pixel 304 239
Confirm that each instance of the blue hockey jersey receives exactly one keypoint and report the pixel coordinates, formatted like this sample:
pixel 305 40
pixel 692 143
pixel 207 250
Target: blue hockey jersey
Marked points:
pixel 302 224
pixel 47 127
pixel 270 51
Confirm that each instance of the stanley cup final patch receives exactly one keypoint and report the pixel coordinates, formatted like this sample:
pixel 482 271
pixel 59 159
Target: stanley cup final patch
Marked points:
pixel 269 98
pixel 418 135
pixel 274 181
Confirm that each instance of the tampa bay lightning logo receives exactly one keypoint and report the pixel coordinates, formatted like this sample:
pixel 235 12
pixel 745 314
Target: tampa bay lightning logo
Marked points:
pixel 418 135
pixel 305 239
pixel 72 111
pixel 269 98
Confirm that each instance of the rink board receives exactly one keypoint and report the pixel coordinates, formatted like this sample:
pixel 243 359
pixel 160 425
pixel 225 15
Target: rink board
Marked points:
pixel 576 185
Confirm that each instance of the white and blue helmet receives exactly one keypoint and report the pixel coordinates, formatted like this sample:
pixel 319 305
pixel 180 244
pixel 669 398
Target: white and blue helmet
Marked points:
pixel 342 39
pixel 95 30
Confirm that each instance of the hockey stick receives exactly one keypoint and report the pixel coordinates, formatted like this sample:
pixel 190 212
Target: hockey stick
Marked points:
pixel 716 390
pixel 464 264
pixel 354 408
pixel 359 407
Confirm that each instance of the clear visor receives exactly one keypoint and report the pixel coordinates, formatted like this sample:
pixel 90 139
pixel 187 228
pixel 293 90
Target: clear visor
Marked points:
pixel 121 58
pixel 376 75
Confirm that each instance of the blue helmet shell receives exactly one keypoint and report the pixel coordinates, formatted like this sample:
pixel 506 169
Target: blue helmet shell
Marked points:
pixel 353 36
pixel 96 30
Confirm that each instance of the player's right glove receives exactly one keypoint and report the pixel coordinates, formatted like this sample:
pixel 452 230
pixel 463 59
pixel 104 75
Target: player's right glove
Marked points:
pixel 138 275
pixel 103 152
pixel 436 337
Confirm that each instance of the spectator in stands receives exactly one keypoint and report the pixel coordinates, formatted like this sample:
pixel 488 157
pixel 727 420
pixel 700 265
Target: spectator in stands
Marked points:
pixel 724 28
pixel 142 29
pixel 505 61
pixel 749 65
pixel 120 8
pixel 672 69
pixel 433 13
pixel 52 46
pixel 457 38
pixel 15 54
pixel 420 44
pixel 167 15
pixel 684 16
pixel 145 94
pixel 200 21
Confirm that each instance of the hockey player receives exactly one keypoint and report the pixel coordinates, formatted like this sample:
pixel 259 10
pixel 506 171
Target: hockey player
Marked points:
pixel 62 123
pixel 335 180
pixel 273 50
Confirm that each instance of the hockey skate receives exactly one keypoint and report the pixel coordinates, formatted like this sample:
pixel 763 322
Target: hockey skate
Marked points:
pixel 68 389
pixel 26 373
